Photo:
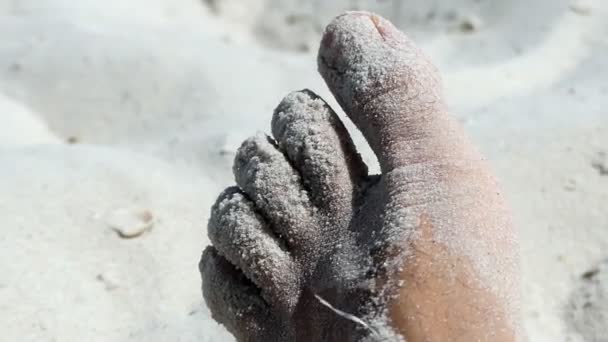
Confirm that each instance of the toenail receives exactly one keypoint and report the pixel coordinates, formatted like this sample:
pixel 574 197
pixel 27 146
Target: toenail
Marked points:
pixel 376 20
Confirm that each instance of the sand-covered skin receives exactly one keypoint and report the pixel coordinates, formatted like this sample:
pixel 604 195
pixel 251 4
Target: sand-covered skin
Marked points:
pixel 432 174
pixel 433 225
pixel 303 188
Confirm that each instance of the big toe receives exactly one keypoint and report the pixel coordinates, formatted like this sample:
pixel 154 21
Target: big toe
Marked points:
pixel 388 88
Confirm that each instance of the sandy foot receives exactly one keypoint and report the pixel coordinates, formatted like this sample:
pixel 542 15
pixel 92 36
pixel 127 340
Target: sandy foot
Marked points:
pixel 310 247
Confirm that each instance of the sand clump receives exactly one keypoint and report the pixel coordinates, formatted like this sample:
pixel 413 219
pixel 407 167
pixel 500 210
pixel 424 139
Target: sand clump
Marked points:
pixel 587 312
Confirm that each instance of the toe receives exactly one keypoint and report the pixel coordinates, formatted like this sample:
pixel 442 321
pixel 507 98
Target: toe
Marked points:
pixel 265 175
pixel 233 301
pixel 319 146
pixel 388 87
pixel 244 239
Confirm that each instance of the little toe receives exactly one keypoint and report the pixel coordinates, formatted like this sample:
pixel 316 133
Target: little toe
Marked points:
pixel 232 299
pixel 389 88
pixel 245 240
pixel 320 147
pixel 265 175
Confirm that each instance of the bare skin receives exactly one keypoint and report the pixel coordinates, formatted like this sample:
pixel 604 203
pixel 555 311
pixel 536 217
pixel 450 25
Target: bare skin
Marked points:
pixel 308 240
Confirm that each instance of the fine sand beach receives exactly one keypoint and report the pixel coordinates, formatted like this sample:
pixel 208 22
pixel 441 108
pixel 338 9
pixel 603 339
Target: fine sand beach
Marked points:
pixel 122 120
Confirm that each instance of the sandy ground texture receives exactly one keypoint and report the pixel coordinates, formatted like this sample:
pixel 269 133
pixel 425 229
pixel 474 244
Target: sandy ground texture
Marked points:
pixel 120 120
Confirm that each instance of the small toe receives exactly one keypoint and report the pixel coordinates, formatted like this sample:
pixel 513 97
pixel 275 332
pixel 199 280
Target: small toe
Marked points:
pixel 319 146
pixel 268 179
pixel 243 237
pixel 232 299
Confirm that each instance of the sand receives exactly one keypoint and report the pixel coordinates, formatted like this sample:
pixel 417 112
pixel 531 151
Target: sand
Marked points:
pixel 138 106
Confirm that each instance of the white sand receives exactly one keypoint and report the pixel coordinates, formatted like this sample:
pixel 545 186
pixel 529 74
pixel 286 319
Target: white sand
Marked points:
pixel 158 94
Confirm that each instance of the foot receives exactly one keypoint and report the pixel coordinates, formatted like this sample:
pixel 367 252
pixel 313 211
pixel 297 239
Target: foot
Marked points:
pixel 309 247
